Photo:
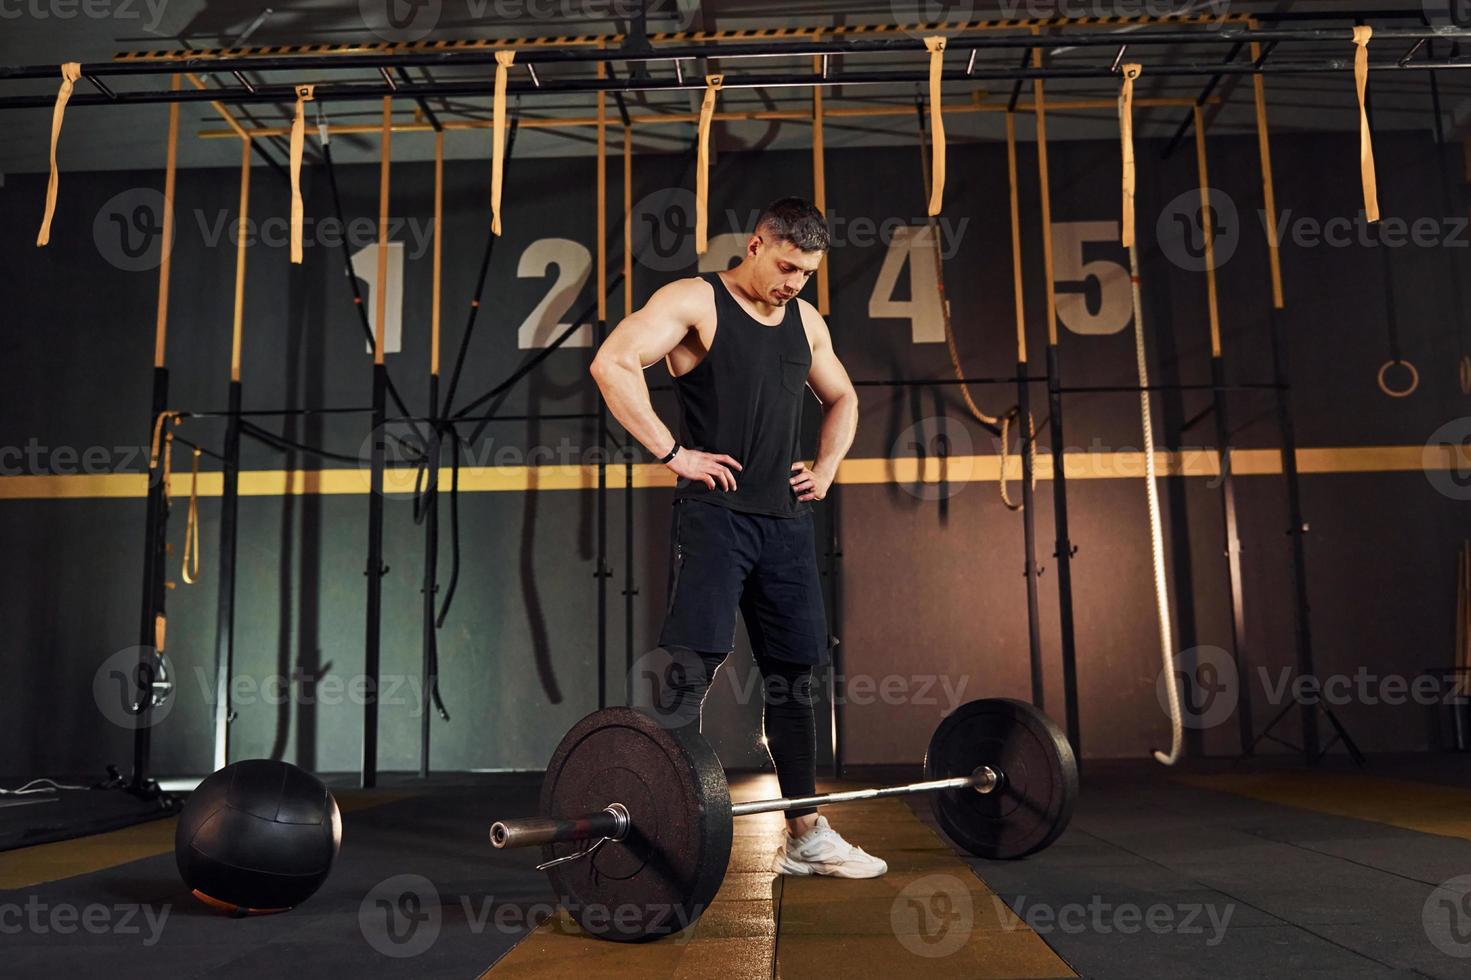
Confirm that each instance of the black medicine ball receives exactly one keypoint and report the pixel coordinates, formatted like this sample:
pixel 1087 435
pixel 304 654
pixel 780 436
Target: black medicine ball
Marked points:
pixel 258 836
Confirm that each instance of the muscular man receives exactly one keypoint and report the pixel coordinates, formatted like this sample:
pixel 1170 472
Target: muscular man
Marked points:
pixel 743 350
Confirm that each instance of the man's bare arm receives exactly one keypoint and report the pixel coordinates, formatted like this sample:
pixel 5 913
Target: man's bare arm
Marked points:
pixel 830 383
pixel 644 339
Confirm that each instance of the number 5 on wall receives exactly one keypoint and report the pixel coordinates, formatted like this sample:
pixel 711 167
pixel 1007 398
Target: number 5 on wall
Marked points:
pixel 1077 279
pixel 1105 279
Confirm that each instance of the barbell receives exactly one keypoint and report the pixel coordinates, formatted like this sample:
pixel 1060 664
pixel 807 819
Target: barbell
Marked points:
pixel 636 818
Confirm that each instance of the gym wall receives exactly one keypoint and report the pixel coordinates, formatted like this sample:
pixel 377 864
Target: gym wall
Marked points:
pixel 932 590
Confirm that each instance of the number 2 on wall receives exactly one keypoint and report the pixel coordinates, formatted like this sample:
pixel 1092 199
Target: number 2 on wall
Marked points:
pixel 574 265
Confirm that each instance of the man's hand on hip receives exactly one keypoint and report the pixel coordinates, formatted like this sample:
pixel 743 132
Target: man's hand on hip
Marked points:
pixel 707 468
pixel 810 484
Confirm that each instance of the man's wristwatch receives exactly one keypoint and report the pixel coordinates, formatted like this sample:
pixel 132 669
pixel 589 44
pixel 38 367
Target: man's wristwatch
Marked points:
pixel 671 454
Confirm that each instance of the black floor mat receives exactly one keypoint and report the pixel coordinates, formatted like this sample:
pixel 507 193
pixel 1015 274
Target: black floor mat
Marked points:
pixel 40 818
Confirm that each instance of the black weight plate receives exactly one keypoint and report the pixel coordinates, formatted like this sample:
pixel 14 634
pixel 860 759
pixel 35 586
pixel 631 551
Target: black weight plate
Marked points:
pixel 1035 801
pixel 665 873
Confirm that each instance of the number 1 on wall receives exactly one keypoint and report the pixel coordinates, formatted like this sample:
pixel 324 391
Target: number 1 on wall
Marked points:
pixel 365 267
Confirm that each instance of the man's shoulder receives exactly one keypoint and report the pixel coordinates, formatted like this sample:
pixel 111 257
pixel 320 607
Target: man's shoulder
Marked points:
pixel 690 296
pixel 812 321
pixel 693 288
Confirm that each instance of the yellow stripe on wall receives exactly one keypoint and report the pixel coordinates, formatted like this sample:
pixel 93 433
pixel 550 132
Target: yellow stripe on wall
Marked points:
pixel 90 486
pixel 908 470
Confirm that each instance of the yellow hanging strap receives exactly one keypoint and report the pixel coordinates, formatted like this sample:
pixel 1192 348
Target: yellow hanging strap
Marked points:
pixel 190 569
pixel 168 463
pixel 1362 34
pixel 70 72
pixel 1012 414
pixel 503 61
pixel 304 94
pixel 702 164
pixel 155 445
pixel 1463 621
pixel 936 46
pixel 1126 136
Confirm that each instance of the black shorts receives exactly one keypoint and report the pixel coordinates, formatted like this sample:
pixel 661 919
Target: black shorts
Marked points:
pixel 721 560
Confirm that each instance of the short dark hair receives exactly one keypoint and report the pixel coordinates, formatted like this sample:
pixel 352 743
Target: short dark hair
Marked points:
pixel 792 219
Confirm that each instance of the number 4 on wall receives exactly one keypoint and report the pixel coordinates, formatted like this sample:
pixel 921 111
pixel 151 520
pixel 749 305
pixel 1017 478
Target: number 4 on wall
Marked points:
pixel 911 247
pixel 1093 296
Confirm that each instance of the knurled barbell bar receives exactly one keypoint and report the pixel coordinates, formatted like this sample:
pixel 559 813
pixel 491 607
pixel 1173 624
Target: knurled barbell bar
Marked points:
pixel 613 822
pixel 649 849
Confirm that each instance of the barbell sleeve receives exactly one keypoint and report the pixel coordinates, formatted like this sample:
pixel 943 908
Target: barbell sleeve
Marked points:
pixel 612 822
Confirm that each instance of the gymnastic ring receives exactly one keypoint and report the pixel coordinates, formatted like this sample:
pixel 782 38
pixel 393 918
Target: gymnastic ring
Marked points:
pixel 1466 374
pixel 1398 392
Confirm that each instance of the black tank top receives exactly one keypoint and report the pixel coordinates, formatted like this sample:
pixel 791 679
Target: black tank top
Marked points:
pixel 745 399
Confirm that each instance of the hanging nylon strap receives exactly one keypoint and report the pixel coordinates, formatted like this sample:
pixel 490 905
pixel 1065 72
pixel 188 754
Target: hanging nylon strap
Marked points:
pixel 503 61
pixel 1126 137
pixel 304 94
pixel 70 72
pixel 702 165
pixel 936 47
pixel 1362 33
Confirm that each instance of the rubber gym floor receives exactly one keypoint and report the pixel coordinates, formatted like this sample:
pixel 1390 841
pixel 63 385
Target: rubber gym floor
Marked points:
pixel 1216 871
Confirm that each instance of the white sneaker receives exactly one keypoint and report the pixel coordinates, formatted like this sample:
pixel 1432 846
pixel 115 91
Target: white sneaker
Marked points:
pixel 822 851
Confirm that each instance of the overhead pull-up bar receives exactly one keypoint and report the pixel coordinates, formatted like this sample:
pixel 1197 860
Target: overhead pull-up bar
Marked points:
pixel 165 63
pixel 691 81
